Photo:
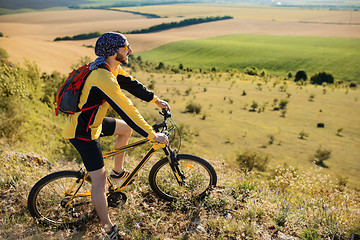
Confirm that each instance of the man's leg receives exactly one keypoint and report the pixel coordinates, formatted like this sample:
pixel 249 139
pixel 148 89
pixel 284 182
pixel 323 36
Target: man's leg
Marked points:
pixel 98 196
pixel 123 132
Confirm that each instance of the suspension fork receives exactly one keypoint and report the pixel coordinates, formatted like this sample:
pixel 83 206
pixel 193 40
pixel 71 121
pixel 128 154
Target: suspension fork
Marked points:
pixel 174 165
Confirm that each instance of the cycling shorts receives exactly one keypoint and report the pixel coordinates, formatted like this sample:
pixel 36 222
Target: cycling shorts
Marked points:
pixel 90 151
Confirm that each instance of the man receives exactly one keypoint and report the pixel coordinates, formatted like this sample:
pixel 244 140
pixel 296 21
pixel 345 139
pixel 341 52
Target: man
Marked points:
pixel 101 90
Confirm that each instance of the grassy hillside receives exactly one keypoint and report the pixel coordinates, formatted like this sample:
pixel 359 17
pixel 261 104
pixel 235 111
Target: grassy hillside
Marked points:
pixel 276 54
pixel 291 198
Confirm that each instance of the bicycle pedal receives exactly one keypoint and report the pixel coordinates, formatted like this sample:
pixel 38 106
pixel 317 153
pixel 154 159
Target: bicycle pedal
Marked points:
pixel 116 199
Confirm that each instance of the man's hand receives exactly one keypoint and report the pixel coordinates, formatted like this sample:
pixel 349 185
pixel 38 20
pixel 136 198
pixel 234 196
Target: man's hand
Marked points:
pixel 163 104
pixel 161 137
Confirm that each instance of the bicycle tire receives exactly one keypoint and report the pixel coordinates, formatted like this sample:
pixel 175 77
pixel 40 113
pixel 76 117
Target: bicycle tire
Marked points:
pixel 47 199
pixel 200 176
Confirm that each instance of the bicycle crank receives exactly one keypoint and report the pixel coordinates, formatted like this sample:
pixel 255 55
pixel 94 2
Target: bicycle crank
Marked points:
pixel 116 199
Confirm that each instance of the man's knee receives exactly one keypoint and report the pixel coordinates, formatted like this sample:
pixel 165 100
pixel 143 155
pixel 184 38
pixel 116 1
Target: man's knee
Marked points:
pixel 98 178
pixel 122 129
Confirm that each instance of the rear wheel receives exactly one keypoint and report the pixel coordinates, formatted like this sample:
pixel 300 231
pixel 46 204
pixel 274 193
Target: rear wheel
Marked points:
pixel 50 200
pixel 199 175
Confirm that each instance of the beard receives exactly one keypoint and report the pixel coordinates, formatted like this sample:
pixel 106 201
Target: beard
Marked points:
pixel 122 58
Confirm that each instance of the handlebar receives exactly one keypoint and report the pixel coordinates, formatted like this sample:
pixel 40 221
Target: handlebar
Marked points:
pixel 170 128
pixel 166 114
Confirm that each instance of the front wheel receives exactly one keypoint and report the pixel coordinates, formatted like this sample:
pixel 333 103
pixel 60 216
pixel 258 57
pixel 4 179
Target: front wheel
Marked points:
pixel 61 198
pixel 199 177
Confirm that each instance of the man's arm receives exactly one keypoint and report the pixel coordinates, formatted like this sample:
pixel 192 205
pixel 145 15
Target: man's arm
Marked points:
pixel 139 90
pixel 135 87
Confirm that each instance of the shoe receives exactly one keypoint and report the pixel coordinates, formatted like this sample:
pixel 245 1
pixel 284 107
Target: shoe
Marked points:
pixel 121 176
pixel 114 234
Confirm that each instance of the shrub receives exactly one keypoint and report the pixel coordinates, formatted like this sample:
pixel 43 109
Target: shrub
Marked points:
pixel 321 78
pixel 3 54
pixel 263 73
pixel 300 75
pixel 152 85
pixel 193 107
pixel 283 103
pixel 339 132
pixel 353 85
pixel 303 134
pixel 251 71
pixel 254 105
pixel 321 155
pixel 252 160
pixel 311 97
pixel 274 104
pixel 188 91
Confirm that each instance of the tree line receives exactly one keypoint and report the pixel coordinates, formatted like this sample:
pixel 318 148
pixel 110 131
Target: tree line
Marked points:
pixel 183 23
pixel 82 36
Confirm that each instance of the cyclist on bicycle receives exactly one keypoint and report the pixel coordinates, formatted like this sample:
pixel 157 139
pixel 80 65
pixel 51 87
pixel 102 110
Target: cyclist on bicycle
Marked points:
pixel 84 129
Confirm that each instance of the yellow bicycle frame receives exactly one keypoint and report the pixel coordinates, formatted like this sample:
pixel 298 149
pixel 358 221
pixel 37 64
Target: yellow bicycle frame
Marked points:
pixel 155 147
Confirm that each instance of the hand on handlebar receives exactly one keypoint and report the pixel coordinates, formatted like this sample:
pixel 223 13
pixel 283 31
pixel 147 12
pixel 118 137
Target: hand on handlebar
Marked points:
pixel 163 104
pixel 161 137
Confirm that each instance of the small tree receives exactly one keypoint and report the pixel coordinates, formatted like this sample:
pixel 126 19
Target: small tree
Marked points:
pixel 321 78
pixel 300 75
pixel 160 66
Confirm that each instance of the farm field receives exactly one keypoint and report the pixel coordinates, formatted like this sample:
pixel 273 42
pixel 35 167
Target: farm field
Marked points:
pixel 30 35
pixel 266 13
pixel 278 55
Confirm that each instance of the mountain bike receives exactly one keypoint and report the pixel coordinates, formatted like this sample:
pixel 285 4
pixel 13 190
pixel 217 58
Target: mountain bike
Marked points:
pixel 64 198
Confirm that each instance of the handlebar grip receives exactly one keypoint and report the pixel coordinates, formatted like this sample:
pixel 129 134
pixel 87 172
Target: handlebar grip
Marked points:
pixel 165 113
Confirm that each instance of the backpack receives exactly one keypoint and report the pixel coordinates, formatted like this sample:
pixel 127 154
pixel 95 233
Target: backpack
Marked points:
pixel 68 95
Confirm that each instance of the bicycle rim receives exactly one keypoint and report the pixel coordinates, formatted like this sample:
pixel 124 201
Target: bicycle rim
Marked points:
pixel 51 199
pixel 199 177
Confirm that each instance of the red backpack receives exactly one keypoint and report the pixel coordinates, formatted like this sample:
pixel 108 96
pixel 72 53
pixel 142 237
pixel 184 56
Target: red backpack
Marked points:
pixel 68 95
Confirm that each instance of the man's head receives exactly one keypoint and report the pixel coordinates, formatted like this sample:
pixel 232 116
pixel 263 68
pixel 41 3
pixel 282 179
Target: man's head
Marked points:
pixel 112 43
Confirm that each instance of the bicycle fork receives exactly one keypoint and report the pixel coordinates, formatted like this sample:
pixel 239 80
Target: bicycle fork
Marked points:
pixel 174 165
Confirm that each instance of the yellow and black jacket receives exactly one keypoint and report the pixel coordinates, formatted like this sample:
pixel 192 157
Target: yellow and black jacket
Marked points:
pixel 102 89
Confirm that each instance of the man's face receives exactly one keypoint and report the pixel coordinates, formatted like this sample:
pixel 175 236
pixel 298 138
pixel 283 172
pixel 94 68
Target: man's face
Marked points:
pixel 122 55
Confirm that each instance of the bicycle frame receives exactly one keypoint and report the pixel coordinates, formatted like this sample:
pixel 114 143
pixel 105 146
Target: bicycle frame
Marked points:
pixel 155 147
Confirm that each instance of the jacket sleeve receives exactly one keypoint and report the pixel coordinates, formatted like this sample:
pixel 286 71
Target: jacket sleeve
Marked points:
pixel 111 92
pixel 134 87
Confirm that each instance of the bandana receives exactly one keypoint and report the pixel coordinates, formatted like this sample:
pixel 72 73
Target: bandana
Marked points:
pixel 107 45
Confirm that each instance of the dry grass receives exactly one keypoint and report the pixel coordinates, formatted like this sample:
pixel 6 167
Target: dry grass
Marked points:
pixel 288 203
pixel 228 128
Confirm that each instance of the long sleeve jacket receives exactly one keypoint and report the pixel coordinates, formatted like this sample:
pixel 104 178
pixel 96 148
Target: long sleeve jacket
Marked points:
pixel 102 89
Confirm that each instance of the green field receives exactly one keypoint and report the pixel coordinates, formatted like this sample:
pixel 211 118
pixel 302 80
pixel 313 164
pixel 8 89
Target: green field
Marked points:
pixel 278 55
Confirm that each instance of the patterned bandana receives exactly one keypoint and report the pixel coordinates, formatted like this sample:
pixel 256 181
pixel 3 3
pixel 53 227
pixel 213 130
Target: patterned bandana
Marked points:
pixel 107 45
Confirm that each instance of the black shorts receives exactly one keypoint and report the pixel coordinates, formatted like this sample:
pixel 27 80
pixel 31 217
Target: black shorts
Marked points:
pixel 90 151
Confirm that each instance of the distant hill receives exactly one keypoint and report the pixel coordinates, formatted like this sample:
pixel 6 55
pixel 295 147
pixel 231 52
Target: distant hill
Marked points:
pixel 39 4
